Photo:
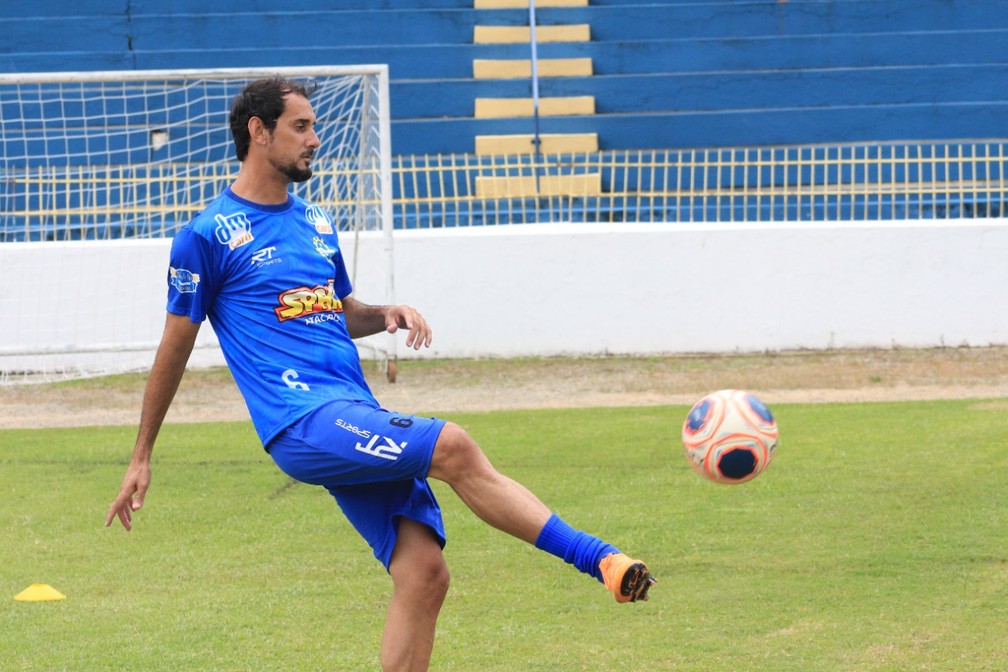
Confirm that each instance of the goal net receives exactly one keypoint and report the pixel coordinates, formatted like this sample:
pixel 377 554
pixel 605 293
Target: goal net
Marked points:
pixel 99 169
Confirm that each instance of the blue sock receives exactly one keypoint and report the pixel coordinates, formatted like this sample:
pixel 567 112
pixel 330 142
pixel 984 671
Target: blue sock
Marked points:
pixel 575 547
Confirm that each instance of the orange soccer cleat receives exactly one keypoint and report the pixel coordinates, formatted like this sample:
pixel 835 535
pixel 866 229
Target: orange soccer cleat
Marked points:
pixel 629 580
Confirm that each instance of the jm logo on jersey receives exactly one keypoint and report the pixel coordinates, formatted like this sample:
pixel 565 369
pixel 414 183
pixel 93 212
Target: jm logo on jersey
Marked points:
pixel 183 280
pixel 234 230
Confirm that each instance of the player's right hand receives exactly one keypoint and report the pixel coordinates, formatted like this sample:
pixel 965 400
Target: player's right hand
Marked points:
pixel 131 494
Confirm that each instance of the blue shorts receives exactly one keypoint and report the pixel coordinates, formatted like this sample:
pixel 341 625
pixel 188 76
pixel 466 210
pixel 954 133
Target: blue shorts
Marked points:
pixel 373 461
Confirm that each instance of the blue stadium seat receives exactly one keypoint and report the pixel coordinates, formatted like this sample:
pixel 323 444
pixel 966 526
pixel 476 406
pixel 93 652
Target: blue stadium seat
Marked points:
pixel 701 73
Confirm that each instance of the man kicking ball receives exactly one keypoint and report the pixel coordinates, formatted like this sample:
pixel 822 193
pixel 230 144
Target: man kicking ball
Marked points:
pixel 286 329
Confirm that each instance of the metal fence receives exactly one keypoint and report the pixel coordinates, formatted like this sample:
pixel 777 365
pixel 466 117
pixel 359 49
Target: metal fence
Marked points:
pixel 798 183
pixel 859 182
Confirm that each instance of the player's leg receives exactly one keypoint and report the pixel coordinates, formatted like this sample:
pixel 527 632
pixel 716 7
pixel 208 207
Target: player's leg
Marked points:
pixel 342 444
pixel 511 507
pixel 420 583
pixel 353 452
pixel 498 500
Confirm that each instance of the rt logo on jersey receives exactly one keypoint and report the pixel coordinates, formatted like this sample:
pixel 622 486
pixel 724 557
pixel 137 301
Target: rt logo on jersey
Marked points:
pixel 290 379
pixel 390 450
pixel 264 255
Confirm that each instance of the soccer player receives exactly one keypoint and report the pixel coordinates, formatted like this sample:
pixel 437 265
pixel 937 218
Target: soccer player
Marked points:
pixel 266 268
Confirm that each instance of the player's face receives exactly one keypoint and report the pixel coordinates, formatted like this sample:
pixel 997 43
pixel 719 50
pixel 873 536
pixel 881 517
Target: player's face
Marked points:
pixel 293 142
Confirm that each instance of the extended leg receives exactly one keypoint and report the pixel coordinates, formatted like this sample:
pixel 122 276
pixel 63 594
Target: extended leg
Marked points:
pixel 512 508
pixel 498 500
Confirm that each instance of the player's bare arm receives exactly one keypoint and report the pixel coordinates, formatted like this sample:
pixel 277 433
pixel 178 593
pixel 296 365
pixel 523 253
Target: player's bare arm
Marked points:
pixel 166 373
pixel 364 320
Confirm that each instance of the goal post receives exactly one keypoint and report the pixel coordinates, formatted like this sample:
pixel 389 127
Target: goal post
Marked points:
pixel 95 164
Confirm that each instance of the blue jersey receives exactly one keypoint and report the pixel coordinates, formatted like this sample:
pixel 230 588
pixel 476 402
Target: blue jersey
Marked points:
pixel 271 279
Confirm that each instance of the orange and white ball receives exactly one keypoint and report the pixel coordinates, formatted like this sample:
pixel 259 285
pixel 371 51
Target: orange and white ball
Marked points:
pixel 730 436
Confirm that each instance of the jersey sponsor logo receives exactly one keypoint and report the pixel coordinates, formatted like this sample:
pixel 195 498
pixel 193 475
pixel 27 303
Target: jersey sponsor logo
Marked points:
pixel 183 280
pixel 264 257
pixel 389 450
pixel 321 317
pixel 318 218
pixel 377 445
pixel 308 302
pixel 353 429
pixel 234 230
pixel 323 248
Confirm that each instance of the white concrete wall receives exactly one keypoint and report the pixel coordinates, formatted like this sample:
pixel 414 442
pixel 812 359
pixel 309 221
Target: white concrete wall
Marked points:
pixel 76 301
pixel 579 289
pixel 587 289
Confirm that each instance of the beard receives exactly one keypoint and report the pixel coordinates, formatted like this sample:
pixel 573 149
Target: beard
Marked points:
pixel 292 172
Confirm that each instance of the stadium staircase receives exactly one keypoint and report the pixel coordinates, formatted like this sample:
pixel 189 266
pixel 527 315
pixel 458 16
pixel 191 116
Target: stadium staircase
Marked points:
pixel 558 179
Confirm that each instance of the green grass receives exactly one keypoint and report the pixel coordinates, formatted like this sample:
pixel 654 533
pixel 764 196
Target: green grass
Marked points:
pixel 875 541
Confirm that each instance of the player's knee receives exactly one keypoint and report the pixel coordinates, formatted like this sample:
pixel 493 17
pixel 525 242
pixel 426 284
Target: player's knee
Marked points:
pixel 437 578
pixel 426 575
pixel 456 455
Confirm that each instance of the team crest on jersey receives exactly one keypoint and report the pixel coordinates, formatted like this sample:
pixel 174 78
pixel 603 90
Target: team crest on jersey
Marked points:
pixel 318 304
pixel 323 248
pixel 183 280
pixel 234 230
pixel 319 219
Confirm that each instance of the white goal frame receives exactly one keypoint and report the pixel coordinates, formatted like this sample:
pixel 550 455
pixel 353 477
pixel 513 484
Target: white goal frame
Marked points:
pixel 35 352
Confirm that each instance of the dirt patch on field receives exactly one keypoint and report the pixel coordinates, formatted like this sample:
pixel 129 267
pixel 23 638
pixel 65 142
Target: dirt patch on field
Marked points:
pixel 443 387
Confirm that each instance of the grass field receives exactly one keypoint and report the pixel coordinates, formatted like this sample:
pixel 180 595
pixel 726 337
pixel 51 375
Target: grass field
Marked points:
pixel 875 541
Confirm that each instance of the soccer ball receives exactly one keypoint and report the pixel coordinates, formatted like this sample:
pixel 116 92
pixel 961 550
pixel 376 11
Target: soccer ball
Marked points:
pixel 729 436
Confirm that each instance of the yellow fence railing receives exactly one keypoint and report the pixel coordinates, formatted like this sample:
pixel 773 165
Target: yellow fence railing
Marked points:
pixel 962 179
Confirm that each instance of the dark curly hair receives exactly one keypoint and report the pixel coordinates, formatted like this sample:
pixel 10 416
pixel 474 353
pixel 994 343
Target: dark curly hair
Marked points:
pixel 263 98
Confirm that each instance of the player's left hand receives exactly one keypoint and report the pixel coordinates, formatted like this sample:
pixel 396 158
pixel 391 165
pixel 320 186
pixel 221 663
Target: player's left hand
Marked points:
pixel 407 317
